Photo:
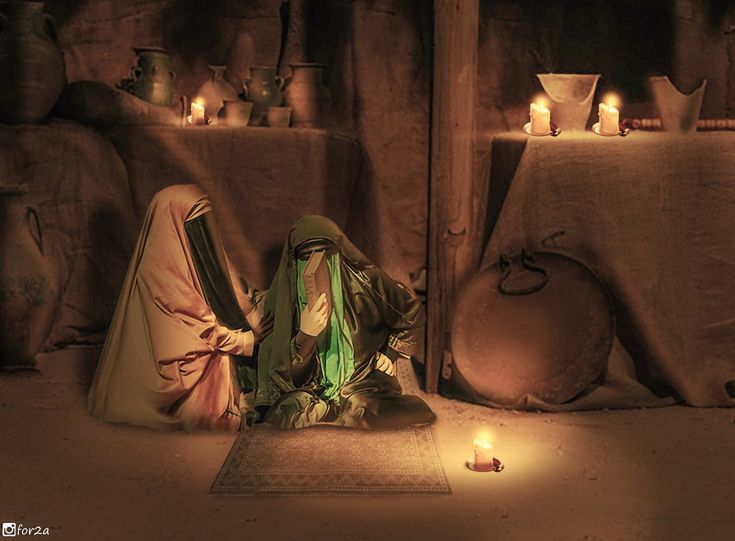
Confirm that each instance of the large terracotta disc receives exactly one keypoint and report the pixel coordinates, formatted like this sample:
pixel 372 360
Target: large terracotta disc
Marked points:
pixel 551 343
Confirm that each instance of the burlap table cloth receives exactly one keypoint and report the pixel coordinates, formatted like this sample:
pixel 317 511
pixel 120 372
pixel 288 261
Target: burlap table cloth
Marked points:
pixel 653 215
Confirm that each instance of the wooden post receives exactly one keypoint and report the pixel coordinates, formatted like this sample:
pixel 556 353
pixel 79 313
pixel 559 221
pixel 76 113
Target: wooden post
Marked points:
pixel 454 199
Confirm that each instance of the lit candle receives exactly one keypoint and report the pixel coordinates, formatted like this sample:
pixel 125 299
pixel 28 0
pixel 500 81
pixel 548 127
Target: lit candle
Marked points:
pixel 540 119
pixel 483 454
pixel 197 111
pixel 609 116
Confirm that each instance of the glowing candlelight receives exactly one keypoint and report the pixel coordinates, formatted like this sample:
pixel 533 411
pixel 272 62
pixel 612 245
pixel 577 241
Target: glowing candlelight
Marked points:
pixel 483 454
pixel 197 111
pixel 540 118
pixel 609 116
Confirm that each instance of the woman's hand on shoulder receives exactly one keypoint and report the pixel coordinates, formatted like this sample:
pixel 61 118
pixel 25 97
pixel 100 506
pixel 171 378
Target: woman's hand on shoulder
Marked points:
pixel 263 328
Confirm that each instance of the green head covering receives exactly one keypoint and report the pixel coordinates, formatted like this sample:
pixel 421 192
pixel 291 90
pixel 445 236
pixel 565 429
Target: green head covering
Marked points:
pixel 286 298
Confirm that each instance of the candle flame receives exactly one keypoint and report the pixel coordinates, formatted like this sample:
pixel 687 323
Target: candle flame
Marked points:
pixel 541 101
pixel 481 442
pixel 612 100
pixel 199 101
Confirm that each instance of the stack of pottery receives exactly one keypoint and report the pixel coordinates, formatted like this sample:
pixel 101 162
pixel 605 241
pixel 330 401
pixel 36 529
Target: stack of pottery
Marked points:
pixel 31 63
pixel 151 79
pixel 28 286
pixel 215 91
pixel 264 89
pixel 308 96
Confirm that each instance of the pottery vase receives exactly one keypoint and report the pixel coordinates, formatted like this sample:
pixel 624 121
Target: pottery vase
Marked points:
pixel 215 91
pixel 679 112
pixel 571 98
pixel 32 71
pixel 264 89
pixel 28 284
pixel 308 96
pixel 152 79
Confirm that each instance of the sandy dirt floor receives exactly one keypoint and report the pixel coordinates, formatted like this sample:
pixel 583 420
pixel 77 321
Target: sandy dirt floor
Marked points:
pixel 665 474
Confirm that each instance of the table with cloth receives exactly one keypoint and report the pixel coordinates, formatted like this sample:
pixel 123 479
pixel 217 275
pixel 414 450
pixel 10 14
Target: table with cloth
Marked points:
pixel 92 188
pixel 653 215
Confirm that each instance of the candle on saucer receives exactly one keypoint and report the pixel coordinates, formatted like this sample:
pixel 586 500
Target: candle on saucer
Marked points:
pixel 483 454
pixel 540 118
pixel 609 116
pixel 197 111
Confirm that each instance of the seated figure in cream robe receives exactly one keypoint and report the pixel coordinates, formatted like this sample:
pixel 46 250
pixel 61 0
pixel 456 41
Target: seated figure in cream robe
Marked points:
pixel 183 319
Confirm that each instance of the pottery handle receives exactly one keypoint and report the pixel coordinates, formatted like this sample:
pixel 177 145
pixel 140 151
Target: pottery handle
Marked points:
pixel 135 72
pixel 281 81
pixel 51 28
pixel 245 87
pixel 172 74
pixel 38 237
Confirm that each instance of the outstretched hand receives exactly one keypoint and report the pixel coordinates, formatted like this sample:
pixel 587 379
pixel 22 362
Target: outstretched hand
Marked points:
pixel 263 328
pixel 314 320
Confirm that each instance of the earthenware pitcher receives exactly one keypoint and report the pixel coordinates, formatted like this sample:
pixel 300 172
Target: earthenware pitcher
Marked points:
pixel 28 283
pixel 264 89
pixel 308 96
pixel 215 91
pixel 152 79
pixel 31 63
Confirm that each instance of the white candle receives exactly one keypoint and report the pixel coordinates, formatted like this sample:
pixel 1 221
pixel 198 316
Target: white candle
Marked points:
pixel 483 454
pixel 540 119
pixel 609 119
pixel 197 112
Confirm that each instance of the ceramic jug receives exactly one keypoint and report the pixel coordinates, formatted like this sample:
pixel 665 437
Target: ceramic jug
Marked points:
pixel 31 63
pixel 152 79
pixel 308 96
pixel 28 283
pixel 215 91
pixel 264 89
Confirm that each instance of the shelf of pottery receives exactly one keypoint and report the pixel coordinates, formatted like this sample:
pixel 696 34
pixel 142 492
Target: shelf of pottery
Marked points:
pixel 35 86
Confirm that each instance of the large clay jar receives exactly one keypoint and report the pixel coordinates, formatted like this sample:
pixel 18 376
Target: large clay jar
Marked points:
pixel 153 79
pixel 32 72
pixel 215 91
pixel 308 96
pixel 264 89
pixel 28 285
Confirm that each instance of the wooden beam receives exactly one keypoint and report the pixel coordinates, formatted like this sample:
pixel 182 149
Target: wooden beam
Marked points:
pixel 453 200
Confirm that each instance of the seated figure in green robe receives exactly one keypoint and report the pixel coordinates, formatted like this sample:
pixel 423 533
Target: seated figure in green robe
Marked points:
pixel 334 362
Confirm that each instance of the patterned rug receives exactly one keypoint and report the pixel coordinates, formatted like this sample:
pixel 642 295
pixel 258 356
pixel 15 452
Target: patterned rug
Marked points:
pixel 331 460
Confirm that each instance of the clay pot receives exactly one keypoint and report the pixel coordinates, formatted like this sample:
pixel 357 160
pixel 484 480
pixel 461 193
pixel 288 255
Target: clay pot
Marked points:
pixel 679 112
pixel 152 79
pixel 215 91
pixel 308 96
pixel 571 96
pixel 28 285
pixel 32 71
pixel 264 89
pixel 536 325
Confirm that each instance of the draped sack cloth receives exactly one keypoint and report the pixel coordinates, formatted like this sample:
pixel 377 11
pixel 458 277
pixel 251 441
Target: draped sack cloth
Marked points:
pixel 166 361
